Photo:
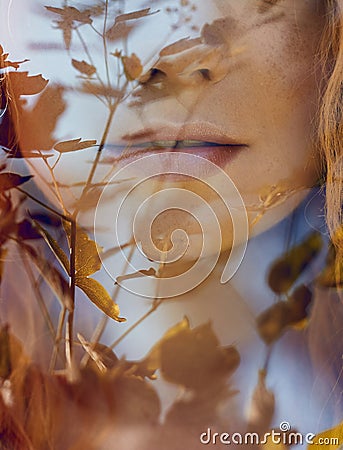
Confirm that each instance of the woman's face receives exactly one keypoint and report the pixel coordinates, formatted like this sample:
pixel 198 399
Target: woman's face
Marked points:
pixel 245 92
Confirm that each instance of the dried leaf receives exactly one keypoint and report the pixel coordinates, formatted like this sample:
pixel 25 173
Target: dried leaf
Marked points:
pixel 100 353
pixel 119 30
pixel 83 67
pixel 193 358
pixel 9 180
pixel 132 67
pixel 285 271
pixel 331 439
pixel 71 13
pixel 44 115
pixel 100 297
pixel 74 145
pixel 273 322
pixel 23 84
pixel 4 62
pixel 87 260
pixel 134 15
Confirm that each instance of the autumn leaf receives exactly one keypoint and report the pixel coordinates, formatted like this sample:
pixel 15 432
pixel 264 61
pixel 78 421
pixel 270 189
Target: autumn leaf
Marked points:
pixel 23 84
pixel 273 322
pixel 4 62
pixel 119 30
pixel 98 295
pixel 285 271
pixel 83 67
pixel 132 66
pixel 134 15
pixel 71 13
pixel 74 145
pixel 43 116
pixel 194 358
pixel 87 260
pixel 9 180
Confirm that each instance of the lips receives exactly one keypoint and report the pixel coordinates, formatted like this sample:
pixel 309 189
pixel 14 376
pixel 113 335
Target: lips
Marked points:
pixel 201 139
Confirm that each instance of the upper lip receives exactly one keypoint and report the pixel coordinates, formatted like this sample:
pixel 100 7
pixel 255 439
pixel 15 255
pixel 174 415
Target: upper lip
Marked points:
pixel 196 131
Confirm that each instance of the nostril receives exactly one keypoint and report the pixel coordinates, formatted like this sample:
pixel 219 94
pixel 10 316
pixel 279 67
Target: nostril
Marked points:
pixel 205 73
pixel 153 76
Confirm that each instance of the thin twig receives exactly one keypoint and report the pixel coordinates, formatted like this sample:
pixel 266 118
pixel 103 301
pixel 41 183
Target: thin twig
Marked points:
pixel 72 286
pixel 104 41
pixel 57 338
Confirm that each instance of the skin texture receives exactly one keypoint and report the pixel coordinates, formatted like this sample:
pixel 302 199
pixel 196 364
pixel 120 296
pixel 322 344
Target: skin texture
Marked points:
pixel 261 89
pixel 250 75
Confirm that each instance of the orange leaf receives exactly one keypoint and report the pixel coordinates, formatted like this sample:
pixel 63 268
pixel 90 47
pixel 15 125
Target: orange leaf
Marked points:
pixel 83 67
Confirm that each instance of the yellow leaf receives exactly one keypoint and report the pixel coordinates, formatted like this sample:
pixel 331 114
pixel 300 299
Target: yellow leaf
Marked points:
pixel 100 297
pixel 330 439
pixel 87 260
pixel 289 267
pixel 132 66
pixel 74 145
pixel 272 323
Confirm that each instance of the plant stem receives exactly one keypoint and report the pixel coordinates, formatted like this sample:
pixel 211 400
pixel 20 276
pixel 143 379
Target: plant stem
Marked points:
pixel 105 45
pixel 57 338
pixel 72 285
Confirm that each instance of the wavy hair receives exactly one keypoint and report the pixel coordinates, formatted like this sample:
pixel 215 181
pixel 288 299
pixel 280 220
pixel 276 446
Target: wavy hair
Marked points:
pixel 331 120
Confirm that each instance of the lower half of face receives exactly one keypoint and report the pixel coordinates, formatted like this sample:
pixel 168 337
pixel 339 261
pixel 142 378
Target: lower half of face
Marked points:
pixel 235 110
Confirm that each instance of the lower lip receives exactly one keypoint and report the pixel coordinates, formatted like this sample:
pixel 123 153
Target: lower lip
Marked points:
pixel 220 155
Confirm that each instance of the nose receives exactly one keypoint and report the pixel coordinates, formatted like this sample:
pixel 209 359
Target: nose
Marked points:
pixel 207 58
pixel 190 62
